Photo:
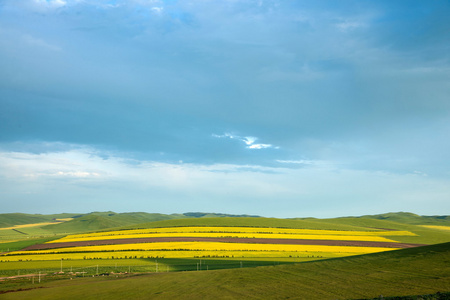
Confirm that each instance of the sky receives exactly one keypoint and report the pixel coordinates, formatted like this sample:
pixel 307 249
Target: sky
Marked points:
pixel 277 108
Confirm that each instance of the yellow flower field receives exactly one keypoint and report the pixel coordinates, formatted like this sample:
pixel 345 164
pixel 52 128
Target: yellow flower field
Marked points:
pixel 191 250
pixel 29 225
pixel 171 254
pixel 436 227
pixel 227 235
pixel 210 246
pixel 241 232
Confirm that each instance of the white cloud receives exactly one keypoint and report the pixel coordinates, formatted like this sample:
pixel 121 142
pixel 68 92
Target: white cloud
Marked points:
pixel 157 9
pixel 51 3
pixel 37 42
pixel 260 146
pixel 349 25
pixel 86 174
pixel 298 162
pixel 248 140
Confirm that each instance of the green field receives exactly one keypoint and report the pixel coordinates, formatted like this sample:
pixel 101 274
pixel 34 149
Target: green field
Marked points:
pixel 414 271
pixel 310 275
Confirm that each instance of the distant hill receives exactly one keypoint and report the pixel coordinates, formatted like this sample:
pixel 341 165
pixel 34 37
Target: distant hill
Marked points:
pixel 249 222
pixel 12 219
pixel 108 217
pixel 410 218
pixel 106 220
pixel 95 221
pixel 215 215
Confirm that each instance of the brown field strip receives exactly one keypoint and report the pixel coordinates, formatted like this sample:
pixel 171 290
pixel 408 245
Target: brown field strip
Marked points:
pixel 222 240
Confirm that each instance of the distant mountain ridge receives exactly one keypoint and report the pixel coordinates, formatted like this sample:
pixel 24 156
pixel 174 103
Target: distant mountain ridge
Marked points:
pixel 104 220
pixel 98 220
pixel 410 218
pixel 12 219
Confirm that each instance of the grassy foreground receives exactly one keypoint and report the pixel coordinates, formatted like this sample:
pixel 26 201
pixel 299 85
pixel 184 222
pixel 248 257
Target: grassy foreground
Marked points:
pixel 414 271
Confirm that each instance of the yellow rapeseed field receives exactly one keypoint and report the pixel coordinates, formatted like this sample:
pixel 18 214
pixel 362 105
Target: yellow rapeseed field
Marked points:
pixel 227 235
pixel 209 246
pixel 211 249
pixel 440 227
pixel 29 225
pixel 64 219
pixel 242 232
pixel 174 254
pixel 191 250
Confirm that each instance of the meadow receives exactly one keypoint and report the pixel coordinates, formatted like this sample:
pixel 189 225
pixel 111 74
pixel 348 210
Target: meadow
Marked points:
pixel 406 272
pixel 243 242
pixel 200 244
pixel 238 232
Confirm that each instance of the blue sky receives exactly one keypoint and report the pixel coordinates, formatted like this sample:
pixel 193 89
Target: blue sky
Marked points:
pixel 275 108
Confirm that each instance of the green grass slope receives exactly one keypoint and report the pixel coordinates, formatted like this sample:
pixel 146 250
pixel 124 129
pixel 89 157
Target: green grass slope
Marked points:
pixel 410 218
pixel 104 220
pixel 423 235
pixel 95 221
pixel 108 220
pixel 12 219
pixel 100 221
pixel 413 271
pixel 250 222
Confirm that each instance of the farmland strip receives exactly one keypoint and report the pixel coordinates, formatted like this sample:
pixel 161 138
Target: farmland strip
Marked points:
pixel 223 240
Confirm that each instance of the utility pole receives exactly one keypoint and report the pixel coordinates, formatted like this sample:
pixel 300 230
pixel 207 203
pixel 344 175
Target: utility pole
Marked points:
pixel 61 265
pixel 97 269
pixel 39 276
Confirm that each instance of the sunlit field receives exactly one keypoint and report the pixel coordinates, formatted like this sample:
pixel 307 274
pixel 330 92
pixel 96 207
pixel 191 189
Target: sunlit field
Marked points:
pixel 190 249
pixel 28 225
pixel 437 227
pixel 238 232
pixel 245 247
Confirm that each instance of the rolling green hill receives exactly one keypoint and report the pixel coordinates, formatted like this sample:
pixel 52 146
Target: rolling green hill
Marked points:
pixel 100 221
pixel 108 220
pixel 12 219
pixel 413 271
pixel 424 235
pixel 97 220
pixel 90 222
pixel 103 220
pixel 249 221
pixel 410 218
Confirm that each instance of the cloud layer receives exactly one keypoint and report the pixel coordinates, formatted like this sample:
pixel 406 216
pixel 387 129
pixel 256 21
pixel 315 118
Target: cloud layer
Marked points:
pixel 78 175
pixel 280 86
